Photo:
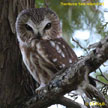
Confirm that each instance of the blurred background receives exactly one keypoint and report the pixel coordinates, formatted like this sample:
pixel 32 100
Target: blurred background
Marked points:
pixel 83 26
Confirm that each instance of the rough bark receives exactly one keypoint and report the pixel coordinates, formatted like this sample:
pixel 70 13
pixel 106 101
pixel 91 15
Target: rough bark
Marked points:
pixel 13 82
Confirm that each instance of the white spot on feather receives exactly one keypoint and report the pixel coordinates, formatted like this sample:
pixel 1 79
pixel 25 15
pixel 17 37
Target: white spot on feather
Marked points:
pixel 55 59
pixel 63 65
pixel 57 47
pixel 62 54
pixel 38 46
pixel 70 61
pixel 59 51
pixel 63 46
pixel 52 43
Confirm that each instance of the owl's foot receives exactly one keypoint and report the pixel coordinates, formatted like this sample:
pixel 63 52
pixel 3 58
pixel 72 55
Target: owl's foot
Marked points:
pixel 39 88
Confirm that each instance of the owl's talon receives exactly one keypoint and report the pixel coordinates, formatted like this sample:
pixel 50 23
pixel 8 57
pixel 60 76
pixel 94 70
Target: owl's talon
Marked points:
pixel 40 88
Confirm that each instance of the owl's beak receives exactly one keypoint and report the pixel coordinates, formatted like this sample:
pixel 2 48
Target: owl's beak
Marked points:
pixel 38 36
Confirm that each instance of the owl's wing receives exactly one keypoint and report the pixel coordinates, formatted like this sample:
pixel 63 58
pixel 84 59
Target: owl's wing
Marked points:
pixel 56 53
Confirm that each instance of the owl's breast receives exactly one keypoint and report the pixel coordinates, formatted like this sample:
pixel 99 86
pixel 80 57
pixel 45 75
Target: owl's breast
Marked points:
pixel 29 60
pixel 46 57
pixel 56 52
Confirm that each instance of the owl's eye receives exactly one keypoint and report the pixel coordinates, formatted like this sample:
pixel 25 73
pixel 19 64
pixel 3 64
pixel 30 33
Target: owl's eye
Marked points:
pixel 28 27
pixel 48 26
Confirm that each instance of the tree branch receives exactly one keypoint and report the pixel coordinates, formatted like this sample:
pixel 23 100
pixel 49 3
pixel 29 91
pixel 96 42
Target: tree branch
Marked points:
pixel 70 103
pixel 94 92
pixel 70 78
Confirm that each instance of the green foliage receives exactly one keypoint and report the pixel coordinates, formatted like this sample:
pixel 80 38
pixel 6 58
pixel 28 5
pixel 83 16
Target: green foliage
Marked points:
pixel 100 77
pixel 74 17
pixel 102 28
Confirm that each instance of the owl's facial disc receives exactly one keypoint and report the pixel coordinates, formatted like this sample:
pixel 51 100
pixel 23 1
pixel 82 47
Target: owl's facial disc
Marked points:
pixel 39 23
pixel 39 30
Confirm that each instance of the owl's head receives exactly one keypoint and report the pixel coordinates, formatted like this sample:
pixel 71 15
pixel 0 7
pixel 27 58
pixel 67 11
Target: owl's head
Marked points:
pixel 40 23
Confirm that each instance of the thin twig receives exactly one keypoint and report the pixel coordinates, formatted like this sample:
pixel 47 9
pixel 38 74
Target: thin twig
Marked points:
pixel 99 81
pixel 103 74
pixel 79 44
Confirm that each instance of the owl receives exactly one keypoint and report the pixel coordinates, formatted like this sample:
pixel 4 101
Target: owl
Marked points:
pixel 43 49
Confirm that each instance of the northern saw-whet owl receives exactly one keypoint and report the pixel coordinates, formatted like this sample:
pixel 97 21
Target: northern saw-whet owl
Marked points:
pixel 43 49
